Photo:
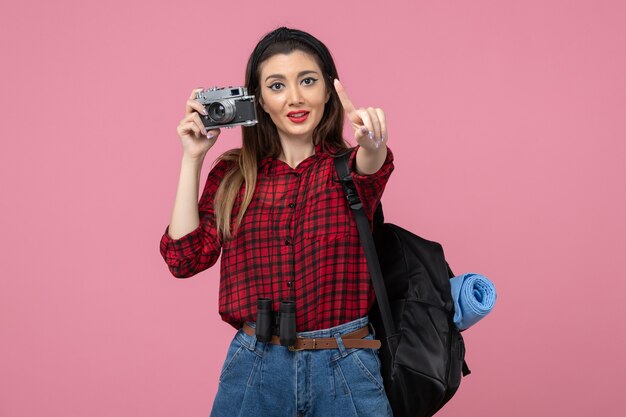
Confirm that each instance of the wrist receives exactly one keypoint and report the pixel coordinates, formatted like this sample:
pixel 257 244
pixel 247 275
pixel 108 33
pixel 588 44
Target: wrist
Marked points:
pixel 193 159
pixel 368 162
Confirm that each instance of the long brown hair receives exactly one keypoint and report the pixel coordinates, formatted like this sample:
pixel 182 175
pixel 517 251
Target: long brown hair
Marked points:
pixel 261 140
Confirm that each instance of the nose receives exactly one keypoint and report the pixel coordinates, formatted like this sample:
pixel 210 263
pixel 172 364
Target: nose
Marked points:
pixel 295 96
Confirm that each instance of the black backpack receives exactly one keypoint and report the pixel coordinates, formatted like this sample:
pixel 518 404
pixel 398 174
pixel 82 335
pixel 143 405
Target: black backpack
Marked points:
pixel 422 353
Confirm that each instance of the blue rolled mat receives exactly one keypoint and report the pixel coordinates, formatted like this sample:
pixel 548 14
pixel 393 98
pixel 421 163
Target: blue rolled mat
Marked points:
pixel 474 297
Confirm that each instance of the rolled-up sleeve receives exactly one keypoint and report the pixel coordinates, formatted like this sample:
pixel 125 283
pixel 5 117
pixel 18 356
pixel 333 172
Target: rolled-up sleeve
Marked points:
pixel 199 249
pixel 370 187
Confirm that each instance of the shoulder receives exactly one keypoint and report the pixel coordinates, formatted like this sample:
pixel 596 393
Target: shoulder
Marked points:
pixel 224 163
pixel 221 165
pixel 219 168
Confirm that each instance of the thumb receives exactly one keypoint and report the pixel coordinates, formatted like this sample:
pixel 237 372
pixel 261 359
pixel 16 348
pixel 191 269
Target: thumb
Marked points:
pixel 361 133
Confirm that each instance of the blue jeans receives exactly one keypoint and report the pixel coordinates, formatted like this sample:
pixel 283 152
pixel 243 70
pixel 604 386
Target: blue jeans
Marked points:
pixel 263 379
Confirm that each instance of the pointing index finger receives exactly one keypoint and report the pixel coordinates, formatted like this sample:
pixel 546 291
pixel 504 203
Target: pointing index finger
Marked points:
pixel 343 97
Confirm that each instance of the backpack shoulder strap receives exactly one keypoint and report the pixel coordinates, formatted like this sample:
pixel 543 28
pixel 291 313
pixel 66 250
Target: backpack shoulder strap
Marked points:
pixel 354 201
pixel 365 233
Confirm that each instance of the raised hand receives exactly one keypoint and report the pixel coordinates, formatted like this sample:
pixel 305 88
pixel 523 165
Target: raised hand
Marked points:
pixel 194 137
pixel 370 128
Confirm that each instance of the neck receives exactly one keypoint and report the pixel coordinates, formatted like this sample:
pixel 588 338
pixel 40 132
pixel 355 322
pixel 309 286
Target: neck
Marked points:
pixel 295 151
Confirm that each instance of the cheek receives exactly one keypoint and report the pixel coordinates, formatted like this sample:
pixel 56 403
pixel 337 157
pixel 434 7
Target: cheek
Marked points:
pixel 271 106
pixel 321 100
pixel 263 104
pixel 321 105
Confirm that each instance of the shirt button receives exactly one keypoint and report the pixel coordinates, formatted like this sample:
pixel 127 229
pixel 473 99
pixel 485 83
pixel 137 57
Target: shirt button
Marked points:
pixel 289 284
pixel 297 174
pixel 288 242
pixel 291 205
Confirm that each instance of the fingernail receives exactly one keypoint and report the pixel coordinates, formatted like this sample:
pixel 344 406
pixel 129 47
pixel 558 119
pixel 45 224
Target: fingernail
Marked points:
pixel 210 136
pixel 371 135
pixel 204 112
pixel 363 130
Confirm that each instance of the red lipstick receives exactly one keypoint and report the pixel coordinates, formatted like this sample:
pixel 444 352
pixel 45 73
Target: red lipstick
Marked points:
pixel 303 115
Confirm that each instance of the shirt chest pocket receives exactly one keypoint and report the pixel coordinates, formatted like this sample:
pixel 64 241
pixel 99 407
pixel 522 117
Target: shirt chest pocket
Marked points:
pixel 327 215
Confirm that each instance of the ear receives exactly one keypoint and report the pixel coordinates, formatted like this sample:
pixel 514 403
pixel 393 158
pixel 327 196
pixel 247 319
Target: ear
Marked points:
pixel 327 96
pixel 262 104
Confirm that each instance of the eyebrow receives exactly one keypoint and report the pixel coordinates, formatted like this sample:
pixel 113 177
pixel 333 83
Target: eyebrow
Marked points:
pixel 281 76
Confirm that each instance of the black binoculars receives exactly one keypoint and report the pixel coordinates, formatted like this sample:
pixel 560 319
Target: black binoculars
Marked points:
pixel 266 321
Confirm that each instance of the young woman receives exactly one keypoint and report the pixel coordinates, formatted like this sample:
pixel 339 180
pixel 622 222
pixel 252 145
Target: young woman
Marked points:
pixel 275 212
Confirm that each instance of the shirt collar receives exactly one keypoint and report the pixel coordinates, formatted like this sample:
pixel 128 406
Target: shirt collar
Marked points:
pixel 271 166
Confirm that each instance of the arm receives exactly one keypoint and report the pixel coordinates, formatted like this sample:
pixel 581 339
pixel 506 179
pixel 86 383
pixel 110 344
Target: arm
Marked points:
pixel 370 187
pixel 370 132
pixel 370 161
pixel 185 216
pixel 191 243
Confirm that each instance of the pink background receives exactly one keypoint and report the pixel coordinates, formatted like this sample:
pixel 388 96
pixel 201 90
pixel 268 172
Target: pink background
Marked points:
pixel 507 120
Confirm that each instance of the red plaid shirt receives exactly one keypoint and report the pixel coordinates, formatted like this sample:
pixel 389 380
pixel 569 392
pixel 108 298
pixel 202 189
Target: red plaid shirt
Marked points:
pixel 298 240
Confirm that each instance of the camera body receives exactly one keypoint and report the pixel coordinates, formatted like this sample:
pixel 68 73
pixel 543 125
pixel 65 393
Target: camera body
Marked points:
pixel 227 107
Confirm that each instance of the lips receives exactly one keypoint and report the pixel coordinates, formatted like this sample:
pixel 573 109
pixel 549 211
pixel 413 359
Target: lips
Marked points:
pixel 298 116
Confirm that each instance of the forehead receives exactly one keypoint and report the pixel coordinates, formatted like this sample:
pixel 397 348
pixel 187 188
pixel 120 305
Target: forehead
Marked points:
pixel 288 64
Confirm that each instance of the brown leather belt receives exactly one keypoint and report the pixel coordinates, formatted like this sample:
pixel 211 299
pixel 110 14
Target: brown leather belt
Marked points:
pixel 350 340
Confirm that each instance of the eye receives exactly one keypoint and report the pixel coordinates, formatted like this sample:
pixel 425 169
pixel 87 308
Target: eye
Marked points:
pixel 271 87
pixel 311 79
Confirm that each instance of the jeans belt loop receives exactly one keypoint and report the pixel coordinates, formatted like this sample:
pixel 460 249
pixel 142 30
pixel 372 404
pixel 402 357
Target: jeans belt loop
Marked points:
pixel 340 346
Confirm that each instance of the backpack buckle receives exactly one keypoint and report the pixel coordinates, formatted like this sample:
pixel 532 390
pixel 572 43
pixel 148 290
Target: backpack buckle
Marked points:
pixel 354 201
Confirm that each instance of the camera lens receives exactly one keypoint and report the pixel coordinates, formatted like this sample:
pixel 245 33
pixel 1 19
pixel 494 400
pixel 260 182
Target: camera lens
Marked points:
pixel 216 111
pixel 221 111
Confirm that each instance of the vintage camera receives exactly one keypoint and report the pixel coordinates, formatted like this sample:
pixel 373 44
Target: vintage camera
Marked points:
pixel 227 107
